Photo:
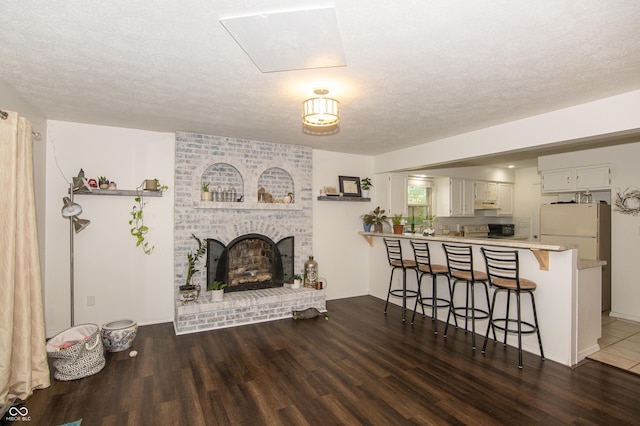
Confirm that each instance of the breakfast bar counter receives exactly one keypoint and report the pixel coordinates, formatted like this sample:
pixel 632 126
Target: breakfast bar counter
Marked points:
pixel 568 296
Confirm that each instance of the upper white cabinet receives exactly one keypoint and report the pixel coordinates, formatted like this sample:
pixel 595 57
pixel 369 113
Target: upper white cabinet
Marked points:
pixel 593 177
pixel 392 193
pixel 454 197
pixel 576 179
pixel 505 199
pixel 486 192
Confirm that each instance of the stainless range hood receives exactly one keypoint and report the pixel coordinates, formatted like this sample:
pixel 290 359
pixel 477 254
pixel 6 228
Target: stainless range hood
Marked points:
pixel 486 206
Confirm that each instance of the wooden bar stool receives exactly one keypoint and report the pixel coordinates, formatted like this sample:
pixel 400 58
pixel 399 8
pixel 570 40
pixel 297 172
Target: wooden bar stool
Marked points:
pixel 396 261
pixel 460 264
pixel 503 270
pixel 426 268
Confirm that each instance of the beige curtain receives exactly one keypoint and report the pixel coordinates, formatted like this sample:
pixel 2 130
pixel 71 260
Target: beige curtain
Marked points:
pixel 23 356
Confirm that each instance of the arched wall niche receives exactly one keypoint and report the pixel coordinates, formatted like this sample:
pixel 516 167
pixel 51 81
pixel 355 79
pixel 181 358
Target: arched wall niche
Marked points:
pixel 223 178
pixel 276 182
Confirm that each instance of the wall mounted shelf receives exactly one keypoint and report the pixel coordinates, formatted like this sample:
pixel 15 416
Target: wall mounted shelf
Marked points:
pixel 245 205
pixel 343 198
pixel 120 192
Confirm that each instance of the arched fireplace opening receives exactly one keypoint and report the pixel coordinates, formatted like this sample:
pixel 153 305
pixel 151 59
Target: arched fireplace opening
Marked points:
pixel 250 262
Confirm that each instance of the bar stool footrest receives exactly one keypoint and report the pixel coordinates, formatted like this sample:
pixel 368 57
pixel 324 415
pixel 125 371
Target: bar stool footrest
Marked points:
pixel 408 293
pixel 503 325
pixel 479 313
pixel 428 302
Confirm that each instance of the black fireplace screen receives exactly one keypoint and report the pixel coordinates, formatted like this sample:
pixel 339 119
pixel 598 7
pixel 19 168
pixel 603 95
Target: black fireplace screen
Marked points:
pixel 250 262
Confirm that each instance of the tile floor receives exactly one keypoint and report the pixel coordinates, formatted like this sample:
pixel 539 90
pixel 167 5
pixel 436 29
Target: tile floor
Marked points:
pixel 619 344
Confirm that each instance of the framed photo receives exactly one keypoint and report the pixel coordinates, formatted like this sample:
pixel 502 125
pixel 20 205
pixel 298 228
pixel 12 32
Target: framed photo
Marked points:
pixel 350 186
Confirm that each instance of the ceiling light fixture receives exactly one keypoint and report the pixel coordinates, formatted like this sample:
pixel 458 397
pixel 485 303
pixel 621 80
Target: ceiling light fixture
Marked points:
pixel 320 111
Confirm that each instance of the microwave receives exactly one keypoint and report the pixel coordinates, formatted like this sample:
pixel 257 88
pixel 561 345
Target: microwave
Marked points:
pixel 501 229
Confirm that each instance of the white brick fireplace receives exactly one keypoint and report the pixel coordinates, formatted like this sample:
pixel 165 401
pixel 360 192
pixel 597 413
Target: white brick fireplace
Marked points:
pixel 242 168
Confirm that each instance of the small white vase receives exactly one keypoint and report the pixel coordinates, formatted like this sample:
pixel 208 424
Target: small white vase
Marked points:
pixel 365 193
pixel 217 295
pixel 296 284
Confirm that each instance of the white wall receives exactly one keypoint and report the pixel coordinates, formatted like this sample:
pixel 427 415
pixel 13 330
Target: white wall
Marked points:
pixel 125 282
pixel 342 254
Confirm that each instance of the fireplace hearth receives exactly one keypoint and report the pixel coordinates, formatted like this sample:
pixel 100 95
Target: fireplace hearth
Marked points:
pixel 250 262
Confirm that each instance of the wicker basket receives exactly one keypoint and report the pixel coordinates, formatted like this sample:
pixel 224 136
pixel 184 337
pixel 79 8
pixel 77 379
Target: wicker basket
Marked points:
pixel 76 352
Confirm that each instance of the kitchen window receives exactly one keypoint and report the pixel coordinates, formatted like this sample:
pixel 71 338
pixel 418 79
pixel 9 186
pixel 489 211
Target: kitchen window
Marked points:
pixel 419 205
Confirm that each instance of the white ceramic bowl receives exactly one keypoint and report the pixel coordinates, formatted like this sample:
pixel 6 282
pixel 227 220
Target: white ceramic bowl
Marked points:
pixel 118 335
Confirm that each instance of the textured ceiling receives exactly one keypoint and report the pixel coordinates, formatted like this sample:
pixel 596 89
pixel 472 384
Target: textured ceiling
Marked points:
pixel 416 71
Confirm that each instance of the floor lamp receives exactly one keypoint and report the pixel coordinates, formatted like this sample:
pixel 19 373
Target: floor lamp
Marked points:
pixel 71 211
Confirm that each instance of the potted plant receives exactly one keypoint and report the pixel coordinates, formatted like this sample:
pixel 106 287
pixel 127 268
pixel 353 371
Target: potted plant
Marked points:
pixel 378 219
pixel 151 185
pixel 138 228
pixel 189 291
pixel 103 182
pixel 366 185
pixel 297 281
pixel 367 221
pixel 217 290
pixel 205 195
pixel 398 223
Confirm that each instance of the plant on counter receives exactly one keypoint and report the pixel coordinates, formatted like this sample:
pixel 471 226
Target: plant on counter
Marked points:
pixel 138 228
pixel 379 218
pixel 397 219
pixel 368 219
pixel 398 223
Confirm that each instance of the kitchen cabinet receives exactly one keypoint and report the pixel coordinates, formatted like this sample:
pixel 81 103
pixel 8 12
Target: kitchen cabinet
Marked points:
pixel 576 179
pixel 596 177
pixel 486 192
pixel 392 193
pixel 454 197
pixel 505 199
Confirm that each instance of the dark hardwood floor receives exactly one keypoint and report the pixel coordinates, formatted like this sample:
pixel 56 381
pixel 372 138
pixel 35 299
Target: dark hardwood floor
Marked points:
pixel 360 367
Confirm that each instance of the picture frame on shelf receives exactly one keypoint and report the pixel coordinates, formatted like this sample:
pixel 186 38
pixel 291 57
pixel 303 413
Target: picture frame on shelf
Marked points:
pixel 350 186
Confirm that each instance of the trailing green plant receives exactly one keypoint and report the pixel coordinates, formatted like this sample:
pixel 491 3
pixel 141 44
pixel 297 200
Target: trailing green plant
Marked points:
pixel 216 285
pixel 192 259
pixel 138 228
pixel 366 184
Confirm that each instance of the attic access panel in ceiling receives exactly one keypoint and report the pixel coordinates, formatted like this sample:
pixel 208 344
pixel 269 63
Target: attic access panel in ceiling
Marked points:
pixel 286 41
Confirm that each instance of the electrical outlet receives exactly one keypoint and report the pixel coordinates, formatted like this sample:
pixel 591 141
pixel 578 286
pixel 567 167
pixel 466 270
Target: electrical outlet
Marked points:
pixel 91 300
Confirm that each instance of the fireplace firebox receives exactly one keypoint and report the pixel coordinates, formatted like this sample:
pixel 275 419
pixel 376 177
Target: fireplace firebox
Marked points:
pixel 250 262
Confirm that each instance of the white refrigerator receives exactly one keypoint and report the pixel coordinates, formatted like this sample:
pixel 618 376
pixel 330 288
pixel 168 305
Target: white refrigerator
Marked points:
pixel 588 226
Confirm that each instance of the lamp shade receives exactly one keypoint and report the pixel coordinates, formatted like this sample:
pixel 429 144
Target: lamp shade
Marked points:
pixel 320 111
pixel 70 209
pixel 79 224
